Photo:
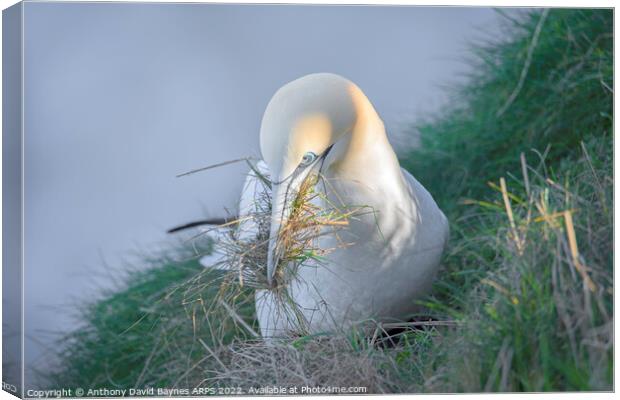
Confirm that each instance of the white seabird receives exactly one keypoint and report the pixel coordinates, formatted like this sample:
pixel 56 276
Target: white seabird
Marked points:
pixel 325 122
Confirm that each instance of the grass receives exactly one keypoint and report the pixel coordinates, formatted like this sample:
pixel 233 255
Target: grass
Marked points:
pixel 529 327
pixel 521 162
pixel 140 334
pixel 533 287
pixel 245 247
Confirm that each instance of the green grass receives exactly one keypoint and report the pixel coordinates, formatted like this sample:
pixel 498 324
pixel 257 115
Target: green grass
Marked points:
pixel 565 98
pixel 515 315
pixel 144 333
pixel 531 308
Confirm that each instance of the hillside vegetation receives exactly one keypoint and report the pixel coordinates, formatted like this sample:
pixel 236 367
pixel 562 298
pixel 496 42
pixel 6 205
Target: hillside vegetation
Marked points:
pixel 521 162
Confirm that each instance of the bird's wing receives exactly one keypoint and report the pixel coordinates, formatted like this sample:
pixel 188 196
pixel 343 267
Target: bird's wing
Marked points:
pixel 436 224
pixel 216 259
pixel 255 199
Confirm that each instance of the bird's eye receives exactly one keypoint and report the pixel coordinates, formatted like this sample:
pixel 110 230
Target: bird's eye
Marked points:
pixel 308 158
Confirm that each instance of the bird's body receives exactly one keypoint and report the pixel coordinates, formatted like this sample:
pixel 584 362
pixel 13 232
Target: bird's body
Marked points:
pixel 384 259
pixel 388 262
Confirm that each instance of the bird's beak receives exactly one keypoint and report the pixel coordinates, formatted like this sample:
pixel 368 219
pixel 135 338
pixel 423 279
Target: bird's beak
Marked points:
pixel 283 195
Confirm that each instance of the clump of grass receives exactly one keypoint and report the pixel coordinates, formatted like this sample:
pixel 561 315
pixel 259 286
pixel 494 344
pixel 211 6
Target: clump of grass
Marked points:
pixel 538 315
pixel 325 361
pixel 311 215
pixel 144 334
pixel 245 249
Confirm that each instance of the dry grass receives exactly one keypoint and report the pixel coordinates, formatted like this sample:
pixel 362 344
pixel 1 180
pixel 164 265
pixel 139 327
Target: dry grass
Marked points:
pixel 541 316
pixel 329 361
pixel 245 246
pixel 336 360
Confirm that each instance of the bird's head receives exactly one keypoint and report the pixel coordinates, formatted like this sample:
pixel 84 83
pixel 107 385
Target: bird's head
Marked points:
pixel 311 125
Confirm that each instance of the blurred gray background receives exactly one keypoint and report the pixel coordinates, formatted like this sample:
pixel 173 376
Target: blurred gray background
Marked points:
pixel 122 97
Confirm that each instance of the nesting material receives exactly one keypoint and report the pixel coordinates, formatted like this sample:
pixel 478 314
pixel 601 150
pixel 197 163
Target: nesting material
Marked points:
pixel 244 246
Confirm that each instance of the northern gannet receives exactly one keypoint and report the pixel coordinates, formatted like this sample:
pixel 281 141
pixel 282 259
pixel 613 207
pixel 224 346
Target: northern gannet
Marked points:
pixel 323 123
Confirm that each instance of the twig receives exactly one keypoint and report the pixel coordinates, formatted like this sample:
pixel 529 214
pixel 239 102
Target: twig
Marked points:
pixel 496 286
pixel 572 242
pixel 506 362
pixel 148 362
pixel 236 316
pixel 511 219
pixel 212 353
pixel 526 66
pixel 496 366
pixel 213 166
pixel 601 191
pixel 526 177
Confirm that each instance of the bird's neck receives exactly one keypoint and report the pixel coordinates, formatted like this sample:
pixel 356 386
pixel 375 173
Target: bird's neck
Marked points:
pixel 365 154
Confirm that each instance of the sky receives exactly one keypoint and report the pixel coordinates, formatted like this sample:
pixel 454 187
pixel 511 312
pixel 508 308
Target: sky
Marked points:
pixel 121 97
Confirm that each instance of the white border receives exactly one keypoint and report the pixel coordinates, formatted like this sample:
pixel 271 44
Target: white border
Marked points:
pixel 443 3
pixel 475 3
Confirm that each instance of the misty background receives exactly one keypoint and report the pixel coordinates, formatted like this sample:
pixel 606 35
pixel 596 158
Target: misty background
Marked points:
pixel 121 97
